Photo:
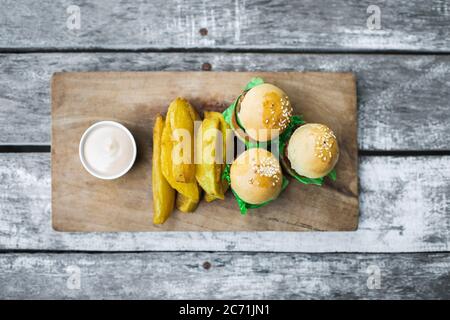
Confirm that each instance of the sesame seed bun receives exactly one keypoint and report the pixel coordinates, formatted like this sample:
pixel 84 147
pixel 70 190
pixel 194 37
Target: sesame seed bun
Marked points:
pixel 256 176
pixel 264 112
pixel 313 150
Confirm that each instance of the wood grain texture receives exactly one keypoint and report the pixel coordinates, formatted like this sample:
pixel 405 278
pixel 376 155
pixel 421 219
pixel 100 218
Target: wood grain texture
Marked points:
pixel 81 202
pixel 404 207
pixel 402 99
pixel 230 276
pixel 233 24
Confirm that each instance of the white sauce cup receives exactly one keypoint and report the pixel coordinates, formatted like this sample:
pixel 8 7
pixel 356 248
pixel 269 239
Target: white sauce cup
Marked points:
pixel 127 152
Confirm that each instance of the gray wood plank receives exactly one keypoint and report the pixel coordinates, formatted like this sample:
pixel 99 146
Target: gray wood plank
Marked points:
pixel 233 24
pixel 404 207
pixel 403 99
pixel 182 275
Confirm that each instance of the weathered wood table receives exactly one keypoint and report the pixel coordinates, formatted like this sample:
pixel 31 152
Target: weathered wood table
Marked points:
pixel 400 53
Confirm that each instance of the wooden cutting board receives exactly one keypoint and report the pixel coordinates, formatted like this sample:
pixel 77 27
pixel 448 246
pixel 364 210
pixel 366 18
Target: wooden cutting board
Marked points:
pixel 83 203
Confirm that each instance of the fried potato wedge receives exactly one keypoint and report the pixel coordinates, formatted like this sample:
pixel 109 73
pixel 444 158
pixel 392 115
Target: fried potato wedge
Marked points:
pixel 189 190
pixel 210 197
pixel 207 171
pixel 181 116
pixel 163 193
pixel 227 140
pixel 185 204
pixel 211 152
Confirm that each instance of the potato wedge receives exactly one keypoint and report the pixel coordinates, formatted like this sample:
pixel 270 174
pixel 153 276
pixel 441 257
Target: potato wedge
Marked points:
pixel 185 204
pixel 227 136
pixel 189 190
pixel 211 138
pixel 163 193
pixel 181 116
pixel 210 197
pixel 194 114
pixel 207 171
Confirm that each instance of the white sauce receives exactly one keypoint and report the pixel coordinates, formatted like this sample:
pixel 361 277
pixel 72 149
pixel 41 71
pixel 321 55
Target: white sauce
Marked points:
pixel 108 150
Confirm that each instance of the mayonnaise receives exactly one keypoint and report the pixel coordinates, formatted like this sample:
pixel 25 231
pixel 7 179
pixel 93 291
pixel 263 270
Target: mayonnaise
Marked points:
pixel 107 150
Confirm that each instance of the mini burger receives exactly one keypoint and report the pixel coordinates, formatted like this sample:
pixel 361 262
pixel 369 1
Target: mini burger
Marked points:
pixel 256 178
pixel 262 113
pixel 311 153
